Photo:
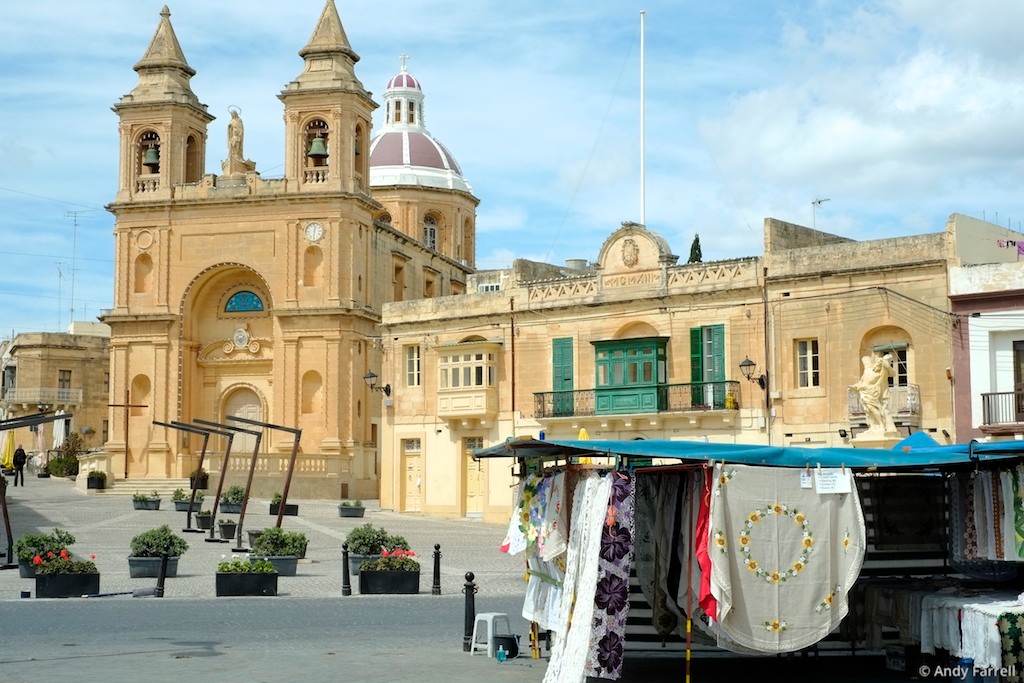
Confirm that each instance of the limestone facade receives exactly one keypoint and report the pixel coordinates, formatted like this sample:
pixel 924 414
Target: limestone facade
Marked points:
pixel 260 298
pixel 534 350
pixel 51 371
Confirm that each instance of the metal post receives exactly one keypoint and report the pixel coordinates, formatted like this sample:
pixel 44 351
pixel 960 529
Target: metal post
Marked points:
pixel 162 576
pixel 436 588
pixel 346 580
pixel 470 590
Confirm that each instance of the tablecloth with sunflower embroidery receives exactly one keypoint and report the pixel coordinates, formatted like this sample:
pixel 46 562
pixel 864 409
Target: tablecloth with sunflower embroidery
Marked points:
pixel 783 557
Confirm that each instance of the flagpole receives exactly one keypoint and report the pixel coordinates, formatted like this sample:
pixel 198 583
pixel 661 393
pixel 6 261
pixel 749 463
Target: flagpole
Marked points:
pixel 643 160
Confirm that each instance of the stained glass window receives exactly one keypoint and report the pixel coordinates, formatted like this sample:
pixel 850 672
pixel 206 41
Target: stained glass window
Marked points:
pixel 243 301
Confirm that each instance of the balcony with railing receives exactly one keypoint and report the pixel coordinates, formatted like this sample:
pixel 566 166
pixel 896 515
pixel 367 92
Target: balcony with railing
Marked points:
pixel 904 404
pixel 664 398
pixel 1002 412
pixel 34 396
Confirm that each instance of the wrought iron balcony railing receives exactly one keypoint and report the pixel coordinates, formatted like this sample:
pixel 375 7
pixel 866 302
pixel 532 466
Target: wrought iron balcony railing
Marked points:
pixel 1002 408
pixel 665 398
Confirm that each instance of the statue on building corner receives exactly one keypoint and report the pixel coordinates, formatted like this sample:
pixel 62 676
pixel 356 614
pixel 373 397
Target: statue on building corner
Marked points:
pixel 873 391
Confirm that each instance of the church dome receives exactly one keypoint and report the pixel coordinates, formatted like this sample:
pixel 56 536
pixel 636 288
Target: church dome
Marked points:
pixel 404 152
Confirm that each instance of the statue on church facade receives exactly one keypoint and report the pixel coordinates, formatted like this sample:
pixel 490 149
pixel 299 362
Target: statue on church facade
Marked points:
pixel 236 162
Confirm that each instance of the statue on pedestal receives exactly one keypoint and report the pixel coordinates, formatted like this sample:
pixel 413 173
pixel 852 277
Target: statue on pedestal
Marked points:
pixel 236 162
pixel 873 391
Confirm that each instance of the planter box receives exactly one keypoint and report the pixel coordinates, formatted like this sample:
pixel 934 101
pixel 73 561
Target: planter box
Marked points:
pixel 355 560
pixel 203 482
pixel 146 504
pixel 230 508
pixel 350 511
pixel 204 521
pixel 182 506
pixel 149 567
pixel 43 475
pixel 389 582
pixel 94 483
pixel 253 535
pixel 290 509
pixel 67 585
pixel 286 565
pixel 227 531
pixel 246 584
pixel 26 569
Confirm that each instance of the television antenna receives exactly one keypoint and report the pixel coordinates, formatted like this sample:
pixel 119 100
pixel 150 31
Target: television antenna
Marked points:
pixel 814 215
pixel 73 215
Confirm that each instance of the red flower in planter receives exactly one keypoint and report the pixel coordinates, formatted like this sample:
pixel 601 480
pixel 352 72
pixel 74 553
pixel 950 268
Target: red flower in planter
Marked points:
pixel 37 560
pixel 63 554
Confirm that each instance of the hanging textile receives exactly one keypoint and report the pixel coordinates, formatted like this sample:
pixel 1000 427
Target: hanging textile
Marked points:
pixel 611 601
pixel 543 591
pixel 644 515
pixel 552 540
pixel 783 557
pixel 572 634
pixel 515 540
pixel 664 612
pixel 1011 628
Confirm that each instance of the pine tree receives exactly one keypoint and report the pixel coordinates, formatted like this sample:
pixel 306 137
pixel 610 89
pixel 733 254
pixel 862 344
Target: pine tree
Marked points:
pixel 695 255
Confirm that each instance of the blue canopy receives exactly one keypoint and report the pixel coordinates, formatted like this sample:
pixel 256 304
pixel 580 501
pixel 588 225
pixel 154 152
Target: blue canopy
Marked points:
pixel 908 455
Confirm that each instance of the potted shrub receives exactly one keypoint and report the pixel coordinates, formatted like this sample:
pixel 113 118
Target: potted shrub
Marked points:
pixel 351 508
pixel 246 578
pixel 204 519
pixel 231 500
pixel 182 498
pixel 281 548
pixel 147 549
pixel 60 575
pixel 394 572
pixel 275 505
pixel 146 501
pixel 367 542
pixel 227 528
pixel 198 478
pixel 96 479
pixel 32 545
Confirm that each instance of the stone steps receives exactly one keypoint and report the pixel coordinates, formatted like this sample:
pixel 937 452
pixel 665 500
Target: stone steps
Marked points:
pixel 129 487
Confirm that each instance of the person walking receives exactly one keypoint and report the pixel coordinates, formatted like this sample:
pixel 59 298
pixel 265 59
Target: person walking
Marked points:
pixel 19 465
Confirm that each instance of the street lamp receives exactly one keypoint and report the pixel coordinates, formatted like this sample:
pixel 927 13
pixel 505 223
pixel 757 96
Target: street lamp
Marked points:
pixel 371 381
pixel 748 367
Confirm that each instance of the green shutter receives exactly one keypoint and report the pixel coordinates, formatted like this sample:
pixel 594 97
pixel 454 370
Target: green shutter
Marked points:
pixel 696 357
pixel 561 376
pixel 718 353
pixel 561 364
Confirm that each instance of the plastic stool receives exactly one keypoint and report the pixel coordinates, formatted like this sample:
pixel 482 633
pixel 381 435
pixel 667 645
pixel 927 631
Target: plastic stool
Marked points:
pixel 490 621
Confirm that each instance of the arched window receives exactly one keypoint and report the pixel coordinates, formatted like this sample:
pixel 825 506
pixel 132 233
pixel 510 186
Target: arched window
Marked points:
pixel 312 390
pixel 430 232
pixel 241 302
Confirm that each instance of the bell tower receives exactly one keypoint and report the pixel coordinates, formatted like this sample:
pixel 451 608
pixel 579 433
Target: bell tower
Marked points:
pixel 163 125
pixel 327 114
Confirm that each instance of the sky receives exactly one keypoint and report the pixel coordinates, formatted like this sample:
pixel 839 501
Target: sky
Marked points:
pixel 864 119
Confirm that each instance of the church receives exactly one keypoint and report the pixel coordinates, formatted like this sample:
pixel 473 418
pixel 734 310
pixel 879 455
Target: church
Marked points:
pixel 242 295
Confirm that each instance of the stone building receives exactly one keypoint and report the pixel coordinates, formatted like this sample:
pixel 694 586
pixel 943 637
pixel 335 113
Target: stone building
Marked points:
pixel 239 295
pixel 58 371
pixel 759 350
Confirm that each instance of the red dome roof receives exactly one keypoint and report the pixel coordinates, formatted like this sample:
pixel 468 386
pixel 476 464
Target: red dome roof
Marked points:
pixel 403 80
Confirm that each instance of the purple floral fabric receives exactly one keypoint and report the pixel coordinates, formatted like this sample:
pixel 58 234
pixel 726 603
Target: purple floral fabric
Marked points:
pixel 611 600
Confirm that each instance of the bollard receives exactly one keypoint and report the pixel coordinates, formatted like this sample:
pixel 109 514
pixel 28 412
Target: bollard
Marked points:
pixel 162 576
pixel 470 590
pixel 436 588
pixel 346 580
